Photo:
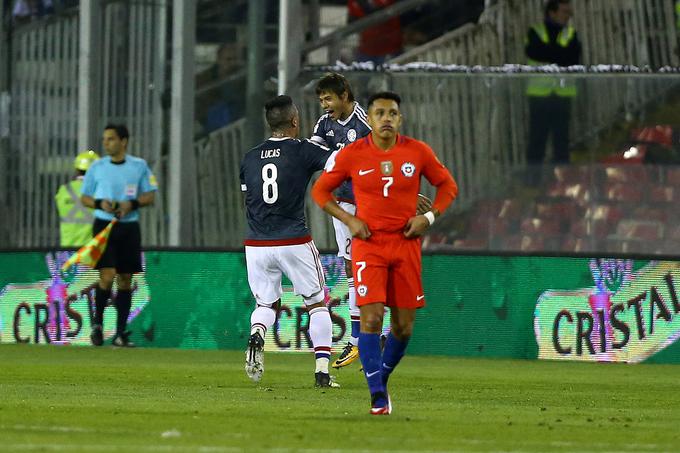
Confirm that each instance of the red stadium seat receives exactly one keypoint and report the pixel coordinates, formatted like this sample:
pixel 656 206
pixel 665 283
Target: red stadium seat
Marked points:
pixel 471 244
pixel 626 192
pixel 673 176
pixel 663 193
pixel 642 230
pixel 548 227
pixel 631 174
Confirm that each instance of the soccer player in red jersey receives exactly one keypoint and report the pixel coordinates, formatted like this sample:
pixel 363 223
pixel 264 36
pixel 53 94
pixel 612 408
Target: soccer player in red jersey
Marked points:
pixel 385 169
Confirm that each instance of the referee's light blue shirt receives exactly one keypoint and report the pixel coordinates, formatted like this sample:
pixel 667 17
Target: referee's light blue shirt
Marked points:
pixel 118 182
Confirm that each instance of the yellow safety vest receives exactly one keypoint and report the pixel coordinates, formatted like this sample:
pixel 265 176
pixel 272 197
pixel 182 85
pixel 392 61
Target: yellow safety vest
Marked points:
pixel 75 220
pixel 542 86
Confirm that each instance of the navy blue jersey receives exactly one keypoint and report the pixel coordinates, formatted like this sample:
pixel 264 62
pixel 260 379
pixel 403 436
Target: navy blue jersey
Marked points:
pixel 337 134
pixel 274 177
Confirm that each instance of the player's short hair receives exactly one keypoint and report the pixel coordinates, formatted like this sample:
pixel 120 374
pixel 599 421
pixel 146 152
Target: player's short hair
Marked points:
pixel 279 112
pixel 335 83
pixel 121 130
pixel 391 95
pixel 553 5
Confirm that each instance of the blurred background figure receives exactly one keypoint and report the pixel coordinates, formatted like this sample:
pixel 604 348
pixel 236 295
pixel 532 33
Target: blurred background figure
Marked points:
pixel 379 42
pixel 219 95
pixel 553 41
pixel 75 220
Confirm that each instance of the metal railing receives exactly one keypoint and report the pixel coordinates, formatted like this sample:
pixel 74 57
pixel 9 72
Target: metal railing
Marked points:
pixel 218 214
pixel 612 32
pixel 43 125
pixel 44 110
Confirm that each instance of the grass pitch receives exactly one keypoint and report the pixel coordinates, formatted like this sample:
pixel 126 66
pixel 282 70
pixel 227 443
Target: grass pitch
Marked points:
pixel 153 400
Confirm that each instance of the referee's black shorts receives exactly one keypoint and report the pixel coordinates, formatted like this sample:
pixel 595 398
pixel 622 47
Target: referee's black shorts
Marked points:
pixel 124 249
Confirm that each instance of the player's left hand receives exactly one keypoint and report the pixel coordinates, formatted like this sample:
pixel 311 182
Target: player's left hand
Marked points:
pixel 123 209
pixel 416 226
pixel 424 204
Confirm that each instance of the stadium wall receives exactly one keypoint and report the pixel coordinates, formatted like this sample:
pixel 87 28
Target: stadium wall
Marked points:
pixel 564 308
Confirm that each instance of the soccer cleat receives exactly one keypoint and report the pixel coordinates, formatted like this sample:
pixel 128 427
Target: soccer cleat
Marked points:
pixel 97 336
pixel 123 340
pixel 348 355
pixel 325 380
pixel 255 357
pixel 381 404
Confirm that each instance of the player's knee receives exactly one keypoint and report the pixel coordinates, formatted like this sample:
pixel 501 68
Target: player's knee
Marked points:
pixel 371 322
pixel 402 330
pixel 124 281
pixel 106 280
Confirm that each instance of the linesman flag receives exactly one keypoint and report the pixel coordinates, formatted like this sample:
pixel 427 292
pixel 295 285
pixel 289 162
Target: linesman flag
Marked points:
pixel 90 253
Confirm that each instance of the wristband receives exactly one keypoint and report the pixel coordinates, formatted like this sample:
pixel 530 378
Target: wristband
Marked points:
pixel 429 215
pixel 135 204
pixel 98 203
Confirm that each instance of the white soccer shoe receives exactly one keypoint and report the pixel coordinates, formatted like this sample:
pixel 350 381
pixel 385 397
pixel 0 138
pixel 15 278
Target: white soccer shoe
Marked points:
pixel 255 357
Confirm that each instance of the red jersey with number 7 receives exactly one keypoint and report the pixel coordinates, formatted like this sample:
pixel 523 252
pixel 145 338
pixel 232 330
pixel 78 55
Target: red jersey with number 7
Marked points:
pixel 386 183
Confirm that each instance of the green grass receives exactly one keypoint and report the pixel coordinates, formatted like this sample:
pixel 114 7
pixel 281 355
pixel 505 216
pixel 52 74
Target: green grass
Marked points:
pixel 108 400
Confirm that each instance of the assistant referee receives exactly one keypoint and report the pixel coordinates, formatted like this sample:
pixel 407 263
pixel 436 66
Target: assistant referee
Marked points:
pixel 117 186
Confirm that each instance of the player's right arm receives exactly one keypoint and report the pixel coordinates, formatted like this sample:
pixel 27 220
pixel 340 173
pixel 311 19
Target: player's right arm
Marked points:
pixel 322 193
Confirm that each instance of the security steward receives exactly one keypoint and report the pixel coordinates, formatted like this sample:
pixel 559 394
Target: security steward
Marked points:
pixel 553 41
pixel 75 220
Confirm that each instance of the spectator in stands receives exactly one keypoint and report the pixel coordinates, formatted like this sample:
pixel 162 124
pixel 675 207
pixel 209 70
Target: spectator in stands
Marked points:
pixel 26 10
pixel 553 41
pixel 220 96
pixel 379 42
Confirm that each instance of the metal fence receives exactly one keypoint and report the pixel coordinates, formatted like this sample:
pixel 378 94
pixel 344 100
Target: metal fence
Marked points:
pixel 218 214
pixel 44 110
pixel 477 124
pixel 43 125
pixel 633 32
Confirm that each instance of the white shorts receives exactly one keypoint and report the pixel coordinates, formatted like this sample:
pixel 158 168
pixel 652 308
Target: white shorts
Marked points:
pixel 342 234
pixel 300 263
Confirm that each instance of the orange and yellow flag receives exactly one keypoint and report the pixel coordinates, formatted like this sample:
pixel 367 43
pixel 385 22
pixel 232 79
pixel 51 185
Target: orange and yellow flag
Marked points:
pixel 90 253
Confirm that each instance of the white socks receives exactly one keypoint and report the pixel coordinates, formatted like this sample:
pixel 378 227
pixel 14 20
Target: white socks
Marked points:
pixel 321 333
pixel 262 319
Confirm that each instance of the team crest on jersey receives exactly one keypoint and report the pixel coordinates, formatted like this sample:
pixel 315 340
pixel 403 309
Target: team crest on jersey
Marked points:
pixel 408 169
pixel 351 135
pixel 386 167
pixel 362 290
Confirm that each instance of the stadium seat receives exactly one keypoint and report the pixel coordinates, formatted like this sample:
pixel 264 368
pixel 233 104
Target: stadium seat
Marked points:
pixel 531 243
pixel 659 193
pixel 471 244
pixel 579 192
pixel 570 174
pixel 673 176
pixel 547 227
pixel 624 192
pixel 639 230
pixel 659 134
pixel 630 174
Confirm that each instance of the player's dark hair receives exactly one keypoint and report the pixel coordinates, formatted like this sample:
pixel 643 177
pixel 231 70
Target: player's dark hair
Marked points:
pixel 335 83
pixel 554 5
pixel 121 130
pixel 279 112
pixel 391 95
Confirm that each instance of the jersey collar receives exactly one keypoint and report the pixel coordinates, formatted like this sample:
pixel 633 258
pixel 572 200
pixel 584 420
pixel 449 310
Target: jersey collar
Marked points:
pixel 349 117
pixel 376 147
